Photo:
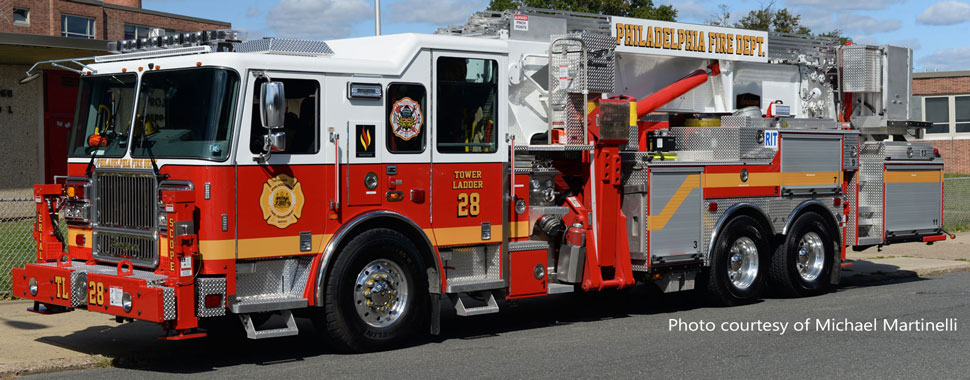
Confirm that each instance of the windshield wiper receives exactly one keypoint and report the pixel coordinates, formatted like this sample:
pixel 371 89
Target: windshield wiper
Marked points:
pixel 147 145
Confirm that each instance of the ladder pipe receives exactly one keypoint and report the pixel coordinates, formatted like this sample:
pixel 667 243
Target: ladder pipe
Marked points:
pixel 673 90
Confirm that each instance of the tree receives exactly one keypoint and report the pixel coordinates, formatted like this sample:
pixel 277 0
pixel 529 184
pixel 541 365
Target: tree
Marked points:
pixel 722 17
pixel 771 20
pixel 629 8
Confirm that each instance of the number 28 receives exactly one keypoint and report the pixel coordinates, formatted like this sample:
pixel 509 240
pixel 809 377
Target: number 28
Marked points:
pixel 468 204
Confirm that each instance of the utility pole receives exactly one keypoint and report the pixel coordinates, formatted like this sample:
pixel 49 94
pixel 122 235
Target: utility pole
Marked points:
pixel 377 17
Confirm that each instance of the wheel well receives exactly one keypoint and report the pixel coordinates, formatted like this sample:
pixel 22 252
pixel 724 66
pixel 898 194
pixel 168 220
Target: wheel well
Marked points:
pixel 826 216
pixel 391 221
pixel 749 210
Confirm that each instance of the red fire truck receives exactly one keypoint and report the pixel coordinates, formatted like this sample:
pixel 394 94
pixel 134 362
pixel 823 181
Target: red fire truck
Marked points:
pixel 523 154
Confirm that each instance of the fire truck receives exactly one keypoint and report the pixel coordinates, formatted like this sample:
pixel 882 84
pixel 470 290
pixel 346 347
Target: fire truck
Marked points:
pixel 366 181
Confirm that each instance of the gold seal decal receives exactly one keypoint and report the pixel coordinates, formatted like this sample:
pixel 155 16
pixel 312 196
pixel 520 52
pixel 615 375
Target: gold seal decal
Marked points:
pixel 281 201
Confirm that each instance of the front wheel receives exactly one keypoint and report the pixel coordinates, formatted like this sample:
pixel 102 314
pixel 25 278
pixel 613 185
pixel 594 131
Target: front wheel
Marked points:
pixel 802 265
pixel 736 275
pixel 376 295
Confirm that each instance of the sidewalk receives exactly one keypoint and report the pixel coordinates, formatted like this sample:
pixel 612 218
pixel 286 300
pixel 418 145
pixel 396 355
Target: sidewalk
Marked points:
pixel 34 343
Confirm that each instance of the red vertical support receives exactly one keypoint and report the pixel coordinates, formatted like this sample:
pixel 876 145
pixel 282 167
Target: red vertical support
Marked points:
pixel 179 258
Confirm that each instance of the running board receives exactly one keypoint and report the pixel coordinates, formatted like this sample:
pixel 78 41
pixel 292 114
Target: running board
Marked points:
pixel 491 306
pixel 252 333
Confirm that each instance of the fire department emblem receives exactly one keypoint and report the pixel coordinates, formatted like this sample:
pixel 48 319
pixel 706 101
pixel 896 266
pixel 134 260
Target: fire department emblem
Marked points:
pixel 281 201
pixel 406 118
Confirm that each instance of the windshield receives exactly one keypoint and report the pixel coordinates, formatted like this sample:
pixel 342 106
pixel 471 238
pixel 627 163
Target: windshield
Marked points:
pixel 185 114
pixel 103 116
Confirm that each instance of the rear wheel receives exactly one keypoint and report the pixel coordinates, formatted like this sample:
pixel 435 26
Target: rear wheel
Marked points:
pixel 738 263
pixel 376 295
pixel 802 265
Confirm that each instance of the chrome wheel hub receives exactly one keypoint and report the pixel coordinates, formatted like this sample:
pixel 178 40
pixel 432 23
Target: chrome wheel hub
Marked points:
pixel 742 268
pixel 380 293
pixel 811 256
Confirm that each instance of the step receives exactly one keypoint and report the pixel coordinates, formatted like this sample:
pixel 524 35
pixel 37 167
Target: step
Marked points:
pixel 251 332
pixel 552 148
pixel 528 245
pixel 268 302
pixel 490 307
pixel 561 288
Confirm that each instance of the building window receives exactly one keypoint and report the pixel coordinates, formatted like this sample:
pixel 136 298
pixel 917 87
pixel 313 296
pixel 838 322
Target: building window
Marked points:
pixel 950 115
pixel 136 31
pixel 77 26
pixel 962 113
pixel 21 17
pixel 938 113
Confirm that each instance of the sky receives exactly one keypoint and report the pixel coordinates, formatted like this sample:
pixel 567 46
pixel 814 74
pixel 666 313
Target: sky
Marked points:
pixel 935 30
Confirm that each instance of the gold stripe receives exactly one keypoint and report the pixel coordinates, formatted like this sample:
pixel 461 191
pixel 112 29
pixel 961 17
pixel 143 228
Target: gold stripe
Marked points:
pixel 912 176
pixel 811 178
pixel 712 180
pixel 734 180
pixel 519 229
pixel 659 221
pixel 72 237
pixel 465 235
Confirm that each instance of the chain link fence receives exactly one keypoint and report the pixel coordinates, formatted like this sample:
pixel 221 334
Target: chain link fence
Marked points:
pixel 956 204
pixel 16 239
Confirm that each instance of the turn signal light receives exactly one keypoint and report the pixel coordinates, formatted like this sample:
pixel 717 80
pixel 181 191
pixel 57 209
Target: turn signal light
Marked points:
pixel 80 240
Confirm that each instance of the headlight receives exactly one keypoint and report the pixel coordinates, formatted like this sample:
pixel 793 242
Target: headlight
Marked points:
pixel 33 286
pixel 126 302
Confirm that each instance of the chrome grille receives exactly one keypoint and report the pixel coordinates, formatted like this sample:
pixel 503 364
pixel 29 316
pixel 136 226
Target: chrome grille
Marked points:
pixel 126 200
pixel 114 247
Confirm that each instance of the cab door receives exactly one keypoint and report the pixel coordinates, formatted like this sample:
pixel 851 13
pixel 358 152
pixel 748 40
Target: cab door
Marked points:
pixel 282 201
pixel 468 159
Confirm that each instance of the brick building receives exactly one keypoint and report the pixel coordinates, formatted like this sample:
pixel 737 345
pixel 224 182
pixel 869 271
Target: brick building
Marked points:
pixel 943 98
pixel 35 117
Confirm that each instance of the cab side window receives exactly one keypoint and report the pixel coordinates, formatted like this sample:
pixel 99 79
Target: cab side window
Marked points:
pixel 407 118
pixel 301 123
pixel 467 105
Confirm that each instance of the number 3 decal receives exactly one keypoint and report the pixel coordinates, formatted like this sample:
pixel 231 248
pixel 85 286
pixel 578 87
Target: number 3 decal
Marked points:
pixel 468 204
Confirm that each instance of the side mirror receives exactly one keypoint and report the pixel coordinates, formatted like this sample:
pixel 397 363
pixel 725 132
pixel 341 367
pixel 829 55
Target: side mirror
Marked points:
pixel 272 103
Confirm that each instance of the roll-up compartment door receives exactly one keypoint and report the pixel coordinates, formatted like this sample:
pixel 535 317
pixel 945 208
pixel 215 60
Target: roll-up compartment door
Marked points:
pixel 914 199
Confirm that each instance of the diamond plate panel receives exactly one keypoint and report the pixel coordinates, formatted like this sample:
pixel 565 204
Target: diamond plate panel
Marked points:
pixel 279 277
pixel 168 303
pixel 205 286
pixel 861 69
pixel 79 288
pixel 707 144
pixel 871 193
pixel 851 225
pixel 850 152
pixel 473 264
pixel 284 46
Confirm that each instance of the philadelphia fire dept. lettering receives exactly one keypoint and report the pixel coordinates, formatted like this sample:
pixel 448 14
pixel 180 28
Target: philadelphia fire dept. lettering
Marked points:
pixel 281 201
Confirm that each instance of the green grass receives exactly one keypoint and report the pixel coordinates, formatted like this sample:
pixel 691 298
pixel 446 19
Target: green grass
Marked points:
pixel 955 175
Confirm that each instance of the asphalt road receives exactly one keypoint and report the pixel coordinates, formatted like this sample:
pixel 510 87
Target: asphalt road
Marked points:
pixel 618 335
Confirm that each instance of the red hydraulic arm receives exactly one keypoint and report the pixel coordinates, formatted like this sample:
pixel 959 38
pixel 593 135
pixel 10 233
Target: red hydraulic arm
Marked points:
pixel 678 88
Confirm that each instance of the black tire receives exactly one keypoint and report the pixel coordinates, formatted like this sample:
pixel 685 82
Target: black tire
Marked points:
pixel 746 231
pixel 345 326
pixel 786 274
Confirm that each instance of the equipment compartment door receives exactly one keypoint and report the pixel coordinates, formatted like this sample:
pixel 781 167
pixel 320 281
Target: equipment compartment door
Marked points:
pixel 914 199
pixel 674 223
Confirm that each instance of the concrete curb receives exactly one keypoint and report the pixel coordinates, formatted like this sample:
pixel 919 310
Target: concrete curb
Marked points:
pixel 53 365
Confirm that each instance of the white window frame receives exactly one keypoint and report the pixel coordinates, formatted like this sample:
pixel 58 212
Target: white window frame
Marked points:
pixel 952 124
pixel 93 27
pixel 21 23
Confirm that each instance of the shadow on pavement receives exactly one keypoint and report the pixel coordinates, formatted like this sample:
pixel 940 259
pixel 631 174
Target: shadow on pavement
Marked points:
pixel 135 345
pixel 21 325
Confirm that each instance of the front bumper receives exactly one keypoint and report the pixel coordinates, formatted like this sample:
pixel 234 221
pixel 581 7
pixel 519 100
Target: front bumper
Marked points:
pixel 100 288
